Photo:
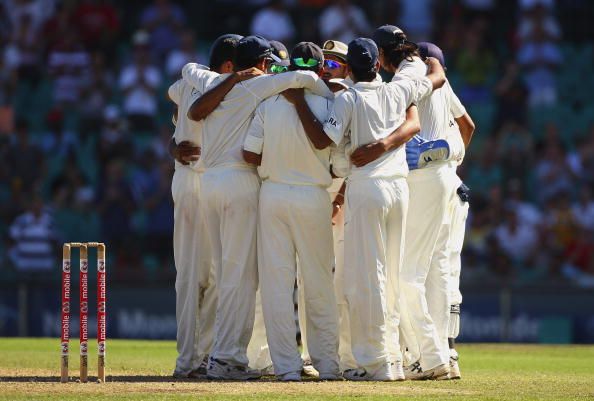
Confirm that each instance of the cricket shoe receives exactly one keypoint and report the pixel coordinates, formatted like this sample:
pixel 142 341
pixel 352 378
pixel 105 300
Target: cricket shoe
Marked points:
pixel 398 371
pixel 454 368
pixel 203 366
pixel 308 369
pixel 290 377
pixel 415 372
pixel 194 374
pixel 219 370
pixel 268 371
pixel 383 374
pixel 330 376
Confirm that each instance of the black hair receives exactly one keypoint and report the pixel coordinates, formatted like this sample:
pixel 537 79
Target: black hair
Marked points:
pixel 222 52
pixel 397 52
pixel 364 75
pixel 244 64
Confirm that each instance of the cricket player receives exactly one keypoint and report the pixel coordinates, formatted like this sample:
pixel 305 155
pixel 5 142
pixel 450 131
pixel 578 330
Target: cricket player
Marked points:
pixel 423 325
pixel 451 235
pixel 371 113
pixel 230 197
pixel 195 290
pixel 295 220
pixel 334 73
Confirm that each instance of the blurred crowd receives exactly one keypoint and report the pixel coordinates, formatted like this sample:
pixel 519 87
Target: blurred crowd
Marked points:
pixel 84 123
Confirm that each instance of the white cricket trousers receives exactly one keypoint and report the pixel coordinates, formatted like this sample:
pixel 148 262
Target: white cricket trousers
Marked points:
pixel 455 244
pixel 430 193
pixel 295 221
pixel 345 355
pixel 194 282
pixel 375 217
pixel 230 202
pixel 257 351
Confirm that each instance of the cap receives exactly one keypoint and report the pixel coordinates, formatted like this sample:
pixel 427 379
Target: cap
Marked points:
pixel 362 55
pixel 427 49
pixel 280 51
pixel 304 54
pixel 224 43
pixel 387 35
pixel 335 48
pixel 254 47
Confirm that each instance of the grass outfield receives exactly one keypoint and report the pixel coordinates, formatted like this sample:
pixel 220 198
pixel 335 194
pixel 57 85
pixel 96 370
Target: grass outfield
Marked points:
pixel 140 370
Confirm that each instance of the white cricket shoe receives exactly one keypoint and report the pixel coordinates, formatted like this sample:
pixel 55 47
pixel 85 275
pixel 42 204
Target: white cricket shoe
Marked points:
pixel 415 372
pixel 398 371
pixel 383 373
pixel 454 367
pixel 219 370
pixel 290 377
pixel 308 369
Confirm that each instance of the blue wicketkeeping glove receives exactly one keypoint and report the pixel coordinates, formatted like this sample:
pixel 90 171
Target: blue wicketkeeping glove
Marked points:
pixel 420 152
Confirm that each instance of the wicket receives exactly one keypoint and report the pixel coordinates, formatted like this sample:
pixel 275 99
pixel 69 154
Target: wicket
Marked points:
pixel 84 309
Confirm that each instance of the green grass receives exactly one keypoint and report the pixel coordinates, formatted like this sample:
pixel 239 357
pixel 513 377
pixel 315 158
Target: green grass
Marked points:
pixel 140 370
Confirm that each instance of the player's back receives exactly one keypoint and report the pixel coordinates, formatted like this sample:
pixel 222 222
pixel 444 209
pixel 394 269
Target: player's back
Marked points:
pixel 378 109
pixel 226 127
pixel 434 110
pixel 288 156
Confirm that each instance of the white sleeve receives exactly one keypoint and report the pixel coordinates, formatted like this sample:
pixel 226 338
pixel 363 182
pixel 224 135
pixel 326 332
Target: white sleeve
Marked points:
pixel 254 140
pixel 341 165
pixel 456 107
pixel 339 121
pixel 265 86
pixel 412 90
pixel 174 91
pixel 457 148
pixel 198 76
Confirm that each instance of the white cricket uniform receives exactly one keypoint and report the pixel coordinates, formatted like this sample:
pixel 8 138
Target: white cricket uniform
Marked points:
pixel 295 220
pixel 424 324
pixel 194 283
pixel 375 214
pixel 347 361
pixel 457 229
pixel 230 201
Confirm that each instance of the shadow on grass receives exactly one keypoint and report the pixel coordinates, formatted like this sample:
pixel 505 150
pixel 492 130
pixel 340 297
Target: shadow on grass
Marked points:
pixel 114 379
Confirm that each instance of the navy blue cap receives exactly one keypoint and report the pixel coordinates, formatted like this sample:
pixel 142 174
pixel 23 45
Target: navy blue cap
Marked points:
pixel 387 35
pixel 280 51
pixel 362 54
pixel 427 49
pixel 254 47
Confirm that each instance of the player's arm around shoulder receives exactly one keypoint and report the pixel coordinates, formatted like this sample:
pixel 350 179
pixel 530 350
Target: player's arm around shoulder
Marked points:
pixel 253 144
pixel 311 124
pixel 211 99
pixel 368 153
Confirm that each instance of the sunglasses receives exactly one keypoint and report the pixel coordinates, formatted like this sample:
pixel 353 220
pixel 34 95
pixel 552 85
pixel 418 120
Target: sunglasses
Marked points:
pixel 332 64
pixel 299 62
pixel 277 69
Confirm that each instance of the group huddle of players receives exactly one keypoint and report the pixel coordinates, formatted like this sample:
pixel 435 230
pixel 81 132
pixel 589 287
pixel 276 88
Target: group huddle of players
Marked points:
pixel 307 168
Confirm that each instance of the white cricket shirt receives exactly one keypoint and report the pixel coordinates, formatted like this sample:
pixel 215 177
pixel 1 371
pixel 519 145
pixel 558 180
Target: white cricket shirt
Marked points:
pixel 436 112
pixel 184 95
pixel 225 129
pixel 368 112
pixel 288 156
